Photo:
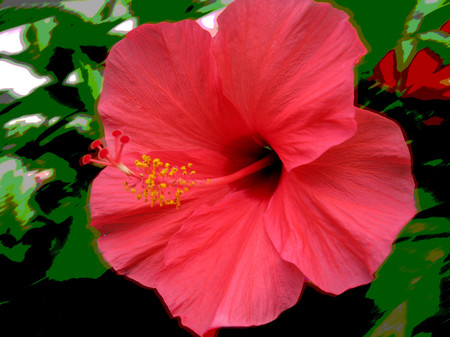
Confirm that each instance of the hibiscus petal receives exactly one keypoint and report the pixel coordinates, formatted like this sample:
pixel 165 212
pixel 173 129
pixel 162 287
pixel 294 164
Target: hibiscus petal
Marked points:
pixel 386 71
pixel 427 78
pixel 337 217
pixel 161 88
pixel 133 234
pixel 288 68
pixel 423 65
pixel 222 269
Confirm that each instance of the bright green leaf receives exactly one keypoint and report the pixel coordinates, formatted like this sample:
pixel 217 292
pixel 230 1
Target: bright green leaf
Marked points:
pixel 436 36
pixel 407 289
pixel 425 199
pixel 78 257
pixel 423 8
pixel 43 32
pixel 17 185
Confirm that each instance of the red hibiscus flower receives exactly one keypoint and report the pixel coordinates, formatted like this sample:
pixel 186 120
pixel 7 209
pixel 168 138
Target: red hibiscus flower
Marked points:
pixel 247 167
pixel 425 77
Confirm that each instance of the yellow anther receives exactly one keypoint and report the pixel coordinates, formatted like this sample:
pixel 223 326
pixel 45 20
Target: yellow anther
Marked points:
pixel 161 199
pixel 160 182
pixel 150 181
pixel 173 171
pixel 156 163
pixel 207 180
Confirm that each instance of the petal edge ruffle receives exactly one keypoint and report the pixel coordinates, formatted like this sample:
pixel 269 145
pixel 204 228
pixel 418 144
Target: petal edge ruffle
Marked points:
pixel 336 218
pixel 297 80
pixel 162 89
pixel 222 270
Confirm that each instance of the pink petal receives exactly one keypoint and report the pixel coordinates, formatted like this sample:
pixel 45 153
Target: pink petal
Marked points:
pixel 288 68
pixel 161 88
pixel 133 234
pixel 222 269
pixel 337 217
pixel 134 244
pixel 108 194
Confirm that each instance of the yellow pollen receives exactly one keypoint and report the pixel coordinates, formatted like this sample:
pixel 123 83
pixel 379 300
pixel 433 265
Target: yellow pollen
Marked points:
pixel 160 183
pixel 167 185
pixel 173 171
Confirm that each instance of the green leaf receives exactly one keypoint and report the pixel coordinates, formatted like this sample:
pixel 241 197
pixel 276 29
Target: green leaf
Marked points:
pixel 44 134
pixel 78 257
pixel 379 24
pixel 175 10
pixel 425 199
pixel 54 33
pixel 423 8
pixel 40 33
pixel 408 287
pixel 17 185
pixel 436 36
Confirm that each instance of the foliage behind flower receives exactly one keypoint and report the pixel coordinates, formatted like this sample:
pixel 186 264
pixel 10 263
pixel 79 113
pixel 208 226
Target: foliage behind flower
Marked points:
pixel 425 77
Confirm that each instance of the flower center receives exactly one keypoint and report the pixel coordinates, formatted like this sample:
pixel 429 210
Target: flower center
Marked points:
pixel 161 183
